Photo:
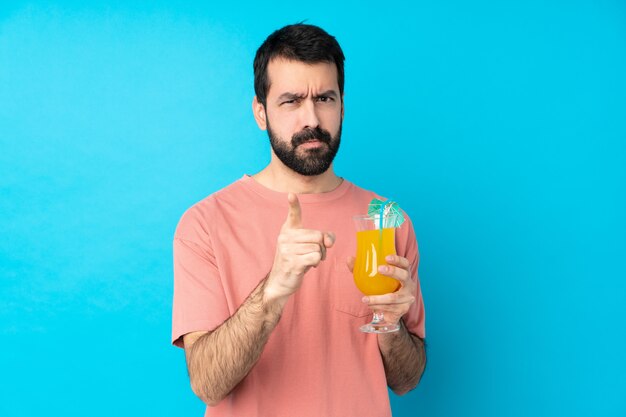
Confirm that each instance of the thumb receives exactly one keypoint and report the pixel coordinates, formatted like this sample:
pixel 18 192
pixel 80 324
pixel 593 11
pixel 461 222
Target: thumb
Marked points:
pixel 350 263
pixel 329 239
pixel 294 215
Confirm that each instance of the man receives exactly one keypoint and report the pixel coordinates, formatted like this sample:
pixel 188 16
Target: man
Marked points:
pixel 264 301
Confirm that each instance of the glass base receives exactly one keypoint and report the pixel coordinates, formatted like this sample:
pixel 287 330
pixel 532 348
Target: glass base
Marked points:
pixel 380 327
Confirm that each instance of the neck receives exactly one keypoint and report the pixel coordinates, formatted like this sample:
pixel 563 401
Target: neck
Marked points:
pixel 278 177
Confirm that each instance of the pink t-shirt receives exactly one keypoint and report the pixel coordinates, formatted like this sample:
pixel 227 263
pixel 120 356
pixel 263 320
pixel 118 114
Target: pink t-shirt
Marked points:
pixel 316 361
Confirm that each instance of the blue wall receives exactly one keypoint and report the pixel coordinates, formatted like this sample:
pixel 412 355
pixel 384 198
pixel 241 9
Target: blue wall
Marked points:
pixel 502 129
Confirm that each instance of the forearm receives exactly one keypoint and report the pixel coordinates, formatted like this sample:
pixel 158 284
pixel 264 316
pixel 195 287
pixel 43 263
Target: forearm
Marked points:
pixel 404 359
pixel 219 360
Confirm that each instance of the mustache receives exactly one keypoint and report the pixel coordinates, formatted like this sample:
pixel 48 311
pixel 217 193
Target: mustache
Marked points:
pixel 307 135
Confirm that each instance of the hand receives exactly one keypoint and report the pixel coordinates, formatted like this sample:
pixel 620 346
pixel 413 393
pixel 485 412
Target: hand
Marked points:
pixel 393 305
pixel 297 251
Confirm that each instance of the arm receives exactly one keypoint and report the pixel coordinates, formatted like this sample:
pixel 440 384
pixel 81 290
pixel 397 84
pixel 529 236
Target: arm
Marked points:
pixel 403 353
pixel 404 358
pixel 217 361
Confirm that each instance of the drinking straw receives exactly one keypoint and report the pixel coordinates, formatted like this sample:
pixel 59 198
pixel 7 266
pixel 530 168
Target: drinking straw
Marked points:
pixel 391 210
pixel 377 207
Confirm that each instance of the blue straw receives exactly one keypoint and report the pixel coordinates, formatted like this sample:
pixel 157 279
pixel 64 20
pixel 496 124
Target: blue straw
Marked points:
pixel 382 212
pixel 380 223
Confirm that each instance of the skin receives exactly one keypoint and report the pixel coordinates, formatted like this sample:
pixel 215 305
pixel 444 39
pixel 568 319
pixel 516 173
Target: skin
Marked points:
pixel 300 96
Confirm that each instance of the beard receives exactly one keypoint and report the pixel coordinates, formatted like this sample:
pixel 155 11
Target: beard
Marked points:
pixel 308 162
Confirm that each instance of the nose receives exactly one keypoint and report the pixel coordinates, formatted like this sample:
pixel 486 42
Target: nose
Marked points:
pixel 309 116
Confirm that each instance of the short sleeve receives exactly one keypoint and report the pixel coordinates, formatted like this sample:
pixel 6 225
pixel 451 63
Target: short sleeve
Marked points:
pixel 199 301
pixel 414 319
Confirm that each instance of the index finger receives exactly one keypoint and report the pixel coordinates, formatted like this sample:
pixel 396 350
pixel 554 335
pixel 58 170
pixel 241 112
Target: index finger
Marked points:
pixel 399 261
pixel 294 216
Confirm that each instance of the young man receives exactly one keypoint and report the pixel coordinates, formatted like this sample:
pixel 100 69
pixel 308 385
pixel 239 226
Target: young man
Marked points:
pixel 264 301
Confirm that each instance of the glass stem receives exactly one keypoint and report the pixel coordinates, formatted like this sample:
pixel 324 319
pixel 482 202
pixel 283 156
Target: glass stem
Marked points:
pixel 378 318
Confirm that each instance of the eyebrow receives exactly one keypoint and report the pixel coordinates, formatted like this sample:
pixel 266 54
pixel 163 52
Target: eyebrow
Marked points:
pixel 296 96
pixel 327 93
pixel 290 96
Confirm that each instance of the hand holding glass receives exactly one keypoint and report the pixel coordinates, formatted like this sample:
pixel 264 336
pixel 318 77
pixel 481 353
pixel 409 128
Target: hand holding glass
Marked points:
pixel 374 243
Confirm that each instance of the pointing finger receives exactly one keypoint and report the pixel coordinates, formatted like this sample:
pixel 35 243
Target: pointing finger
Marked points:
pixel 294 216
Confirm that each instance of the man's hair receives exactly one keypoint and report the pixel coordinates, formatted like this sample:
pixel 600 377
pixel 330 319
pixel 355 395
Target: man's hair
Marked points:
pixel 299 42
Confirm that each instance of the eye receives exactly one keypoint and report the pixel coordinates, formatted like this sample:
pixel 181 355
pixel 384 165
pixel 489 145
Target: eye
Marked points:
pixel 291 101
pixel 324 99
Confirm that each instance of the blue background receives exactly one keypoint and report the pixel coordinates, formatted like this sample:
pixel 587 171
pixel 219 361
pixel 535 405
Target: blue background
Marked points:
pixel 502 132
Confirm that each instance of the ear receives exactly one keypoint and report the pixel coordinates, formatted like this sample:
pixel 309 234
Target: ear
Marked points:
pixel 259 114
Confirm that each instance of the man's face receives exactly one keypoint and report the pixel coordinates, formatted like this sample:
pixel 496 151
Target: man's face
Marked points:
pixel 304 113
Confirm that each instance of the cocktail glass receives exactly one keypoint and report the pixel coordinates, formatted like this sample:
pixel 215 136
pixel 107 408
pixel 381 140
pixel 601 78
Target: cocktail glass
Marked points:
pixel 375 240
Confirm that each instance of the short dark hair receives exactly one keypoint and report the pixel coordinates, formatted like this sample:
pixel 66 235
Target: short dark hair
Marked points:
pixel 299 42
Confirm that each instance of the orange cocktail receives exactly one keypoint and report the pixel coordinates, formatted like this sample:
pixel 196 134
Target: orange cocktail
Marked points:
pixel 372 246
pixel 375 240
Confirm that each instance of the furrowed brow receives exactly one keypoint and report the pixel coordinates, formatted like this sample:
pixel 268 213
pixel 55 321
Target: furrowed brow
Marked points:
pixel 290 96
pixel 327 93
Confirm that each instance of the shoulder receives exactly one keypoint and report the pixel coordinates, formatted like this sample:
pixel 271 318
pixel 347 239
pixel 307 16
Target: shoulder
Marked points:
pixel 196 221
pixel 360 195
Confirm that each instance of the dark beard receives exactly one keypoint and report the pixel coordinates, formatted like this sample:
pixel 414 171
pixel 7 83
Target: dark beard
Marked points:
pixel 315 161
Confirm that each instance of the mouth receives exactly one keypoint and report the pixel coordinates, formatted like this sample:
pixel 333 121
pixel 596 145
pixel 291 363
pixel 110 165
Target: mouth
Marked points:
pixel 311 144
